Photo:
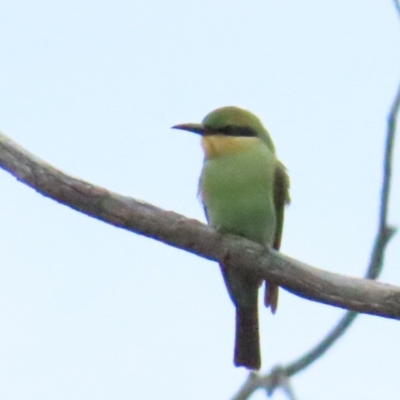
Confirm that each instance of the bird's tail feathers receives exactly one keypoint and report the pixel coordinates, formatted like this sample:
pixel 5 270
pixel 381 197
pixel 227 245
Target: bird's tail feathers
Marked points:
pixel 247 340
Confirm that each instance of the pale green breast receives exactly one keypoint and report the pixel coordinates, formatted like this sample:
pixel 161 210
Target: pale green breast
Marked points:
pixel 237 192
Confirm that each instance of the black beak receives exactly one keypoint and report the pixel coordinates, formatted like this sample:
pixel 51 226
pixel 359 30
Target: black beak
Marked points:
pixel 195 128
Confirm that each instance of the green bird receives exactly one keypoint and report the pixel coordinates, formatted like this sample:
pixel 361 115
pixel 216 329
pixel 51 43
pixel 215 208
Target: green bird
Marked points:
pixel 244 189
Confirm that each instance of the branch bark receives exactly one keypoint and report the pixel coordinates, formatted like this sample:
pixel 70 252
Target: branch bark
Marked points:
pixel 190 235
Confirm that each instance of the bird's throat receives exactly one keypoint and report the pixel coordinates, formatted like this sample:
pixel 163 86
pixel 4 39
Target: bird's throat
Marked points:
pixel 218 145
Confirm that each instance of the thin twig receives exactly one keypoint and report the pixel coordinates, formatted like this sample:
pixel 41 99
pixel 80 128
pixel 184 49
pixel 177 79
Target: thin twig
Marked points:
pixel 316 352
pixel 288 390
pixel 384 234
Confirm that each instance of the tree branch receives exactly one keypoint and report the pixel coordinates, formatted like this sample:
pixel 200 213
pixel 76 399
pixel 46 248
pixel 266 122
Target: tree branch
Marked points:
pixel 192 236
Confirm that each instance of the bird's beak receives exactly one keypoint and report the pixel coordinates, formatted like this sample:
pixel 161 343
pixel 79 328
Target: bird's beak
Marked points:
pixel 195 128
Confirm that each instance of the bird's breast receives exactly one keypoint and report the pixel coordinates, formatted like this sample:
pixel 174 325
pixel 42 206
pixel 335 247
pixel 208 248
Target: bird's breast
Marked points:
pixel 237 192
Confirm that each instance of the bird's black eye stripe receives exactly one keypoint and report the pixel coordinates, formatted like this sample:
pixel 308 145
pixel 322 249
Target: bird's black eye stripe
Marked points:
pixel 237 131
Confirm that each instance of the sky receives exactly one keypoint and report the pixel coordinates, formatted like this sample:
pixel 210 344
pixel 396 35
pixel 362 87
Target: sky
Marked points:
pixel 89 311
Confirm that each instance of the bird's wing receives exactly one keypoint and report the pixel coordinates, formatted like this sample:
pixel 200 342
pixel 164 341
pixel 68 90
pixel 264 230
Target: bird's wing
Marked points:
pixel 281 198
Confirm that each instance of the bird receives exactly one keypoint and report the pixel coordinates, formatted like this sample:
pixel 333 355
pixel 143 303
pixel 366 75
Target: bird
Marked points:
pixel 244 189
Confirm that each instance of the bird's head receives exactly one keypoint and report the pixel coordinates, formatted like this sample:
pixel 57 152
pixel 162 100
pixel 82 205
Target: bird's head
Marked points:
pixel 228 129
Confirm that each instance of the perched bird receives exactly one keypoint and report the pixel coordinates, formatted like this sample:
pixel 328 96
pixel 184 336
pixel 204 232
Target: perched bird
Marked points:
pixel 244 189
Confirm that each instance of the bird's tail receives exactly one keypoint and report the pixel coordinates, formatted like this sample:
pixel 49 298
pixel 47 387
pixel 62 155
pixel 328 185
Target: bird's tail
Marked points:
pixel 247 340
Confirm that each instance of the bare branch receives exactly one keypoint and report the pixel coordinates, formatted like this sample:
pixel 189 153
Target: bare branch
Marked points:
pixel 190 235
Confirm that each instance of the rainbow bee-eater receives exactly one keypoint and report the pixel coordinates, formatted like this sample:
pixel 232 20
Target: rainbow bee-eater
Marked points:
pixel 244 189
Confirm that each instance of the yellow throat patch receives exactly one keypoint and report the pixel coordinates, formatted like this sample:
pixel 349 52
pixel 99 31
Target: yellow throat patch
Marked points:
pixel 218 145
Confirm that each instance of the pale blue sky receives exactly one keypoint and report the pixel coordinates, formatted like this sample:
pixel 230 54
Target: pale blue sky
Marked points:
pixel 92 312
